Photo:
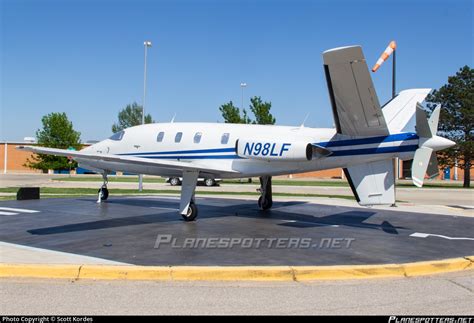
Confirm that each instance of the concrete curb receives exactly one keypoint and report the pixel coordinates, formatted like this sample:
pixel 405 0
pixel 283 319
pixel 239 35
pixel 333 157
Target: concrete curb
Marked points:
pixel 235 273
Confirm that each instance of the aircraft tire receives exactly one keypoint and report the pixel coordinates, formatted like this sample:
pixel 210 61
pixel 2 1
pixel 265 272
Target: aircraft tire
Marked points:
pixel 264 203
pixel 104 193
pixel 191 214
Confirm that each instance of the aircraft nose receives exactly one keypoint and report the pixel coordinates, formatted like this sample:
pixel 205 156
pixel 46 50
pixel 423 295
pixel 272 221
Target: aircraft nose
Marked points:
pixel 439 143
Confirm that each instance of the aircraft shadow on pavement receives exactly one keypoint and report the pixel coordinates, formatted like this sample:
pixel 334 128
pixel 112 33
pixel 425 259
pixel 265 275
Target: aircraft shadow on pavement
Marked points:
pixel 349 218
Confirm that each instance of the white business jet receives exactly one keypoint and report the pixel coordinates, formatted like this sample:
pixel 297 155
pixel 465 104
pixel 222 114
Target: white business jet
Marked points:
pixel 366 139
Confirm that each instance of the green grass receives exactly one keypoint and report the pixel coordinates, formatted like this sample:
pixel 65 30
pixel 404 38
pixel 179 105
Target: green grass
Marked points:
pixel 289 182
pixel 74 192
pixel 333 183
pixel 435 185
pixel 121 179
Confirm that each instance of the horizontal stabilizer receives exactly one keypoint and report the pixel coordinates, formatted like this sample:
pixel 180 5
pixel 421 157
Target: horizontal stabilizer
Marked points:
pixel 400 111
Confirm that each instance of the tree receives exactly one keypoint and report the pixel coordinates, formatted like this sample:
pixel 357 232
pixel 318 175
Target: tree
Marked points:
pixel 261 110
pixel 457 119
pixel 57 132
pixel 130 116
pixel 231 114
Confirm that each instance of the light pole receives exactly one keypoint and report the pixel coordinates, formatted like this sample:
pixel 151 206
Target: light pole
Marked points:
pixel 242 86
pixel 146 44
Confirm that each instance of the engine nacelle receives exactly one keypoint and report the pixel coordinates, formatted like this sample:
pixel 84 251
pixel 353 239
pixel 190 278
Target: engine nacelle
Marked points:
pixel 274 150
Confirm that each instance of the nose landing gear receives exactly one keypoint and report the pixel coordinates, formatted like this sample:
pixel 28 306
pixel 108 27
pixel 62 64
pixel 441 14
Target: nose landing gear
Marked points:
pixel 265 200
pixel 103 192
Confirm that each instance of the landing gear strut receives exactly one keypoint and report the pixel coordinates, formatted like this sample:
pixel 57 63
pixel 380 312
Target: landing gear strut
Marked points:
pixel 265 200
pixel 187 206
pixel 103 191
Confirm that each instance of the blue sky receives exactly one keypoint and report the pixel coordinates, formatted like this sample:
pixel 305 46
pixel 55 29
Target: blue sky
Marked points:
pixel 86 57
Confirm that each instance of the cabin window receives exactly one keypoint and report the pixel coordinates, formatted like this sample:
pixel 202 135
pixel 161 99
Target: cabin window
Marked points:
pixel 160 136
pixel 225 138
pixel 178 137
pixel 117 136
pixel 197 137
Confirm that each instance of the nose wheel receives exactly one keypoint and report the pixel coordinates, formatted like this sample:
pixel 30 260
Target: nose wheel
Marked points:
pixel 103 192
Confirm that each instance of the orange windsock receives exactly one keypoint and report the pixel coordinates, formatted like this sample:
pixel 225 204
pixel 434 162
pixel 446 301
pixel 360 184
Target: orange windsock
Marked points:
pixel 385 55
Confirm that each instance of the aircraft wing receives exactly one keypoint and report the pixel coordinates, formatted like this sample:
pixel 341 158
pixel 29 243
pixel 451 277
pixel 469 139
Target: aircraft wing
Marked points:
pixel 168 164
pixel 354 101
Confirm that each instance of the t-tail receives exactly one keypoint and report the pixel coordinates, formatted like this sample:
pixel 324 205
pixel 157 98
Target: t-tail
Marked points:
pixel 358 114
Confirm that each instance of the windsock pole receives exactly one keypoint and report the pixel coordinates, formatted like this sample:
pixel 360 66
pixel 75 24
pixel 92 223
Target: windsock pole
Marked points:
pixel 394 91
pixel 385 55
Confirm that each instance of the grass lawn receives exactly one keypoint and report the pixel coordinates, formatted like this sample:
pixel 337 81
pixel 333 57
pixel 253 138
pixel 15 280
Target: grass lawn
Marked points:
pixel 286 182
pixel 72 192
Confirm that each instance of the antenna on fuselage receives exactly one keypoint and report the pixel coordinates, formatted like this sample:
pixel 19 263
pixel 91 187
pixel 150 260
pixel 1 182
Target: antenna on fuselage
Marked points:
pixel 172 119
pixel 304 121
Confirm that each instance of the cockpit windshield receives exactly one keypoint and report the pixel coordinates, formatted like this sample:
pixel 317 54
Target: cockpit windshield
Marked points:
pixel 117 136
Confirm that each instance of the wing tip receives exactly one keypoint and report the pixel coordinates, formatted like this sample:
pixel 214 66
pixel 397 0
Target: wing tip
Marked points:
pixel 417 182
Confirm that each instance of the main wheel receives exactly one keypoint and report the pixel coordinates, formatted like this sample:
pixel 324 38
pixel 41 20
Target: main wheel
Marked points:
pixel 104 193
pixel 210 182
pixel 192 212
pixel 264 204
pixel 174 181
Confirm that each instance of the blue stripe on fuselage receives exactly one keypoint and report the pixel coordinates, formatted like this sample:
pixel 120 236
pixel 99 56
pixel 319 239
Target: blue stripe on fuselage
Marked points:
pixel 183 154
pixel 193 157
pixel 195 151
pixel 366 141
pixel 369 151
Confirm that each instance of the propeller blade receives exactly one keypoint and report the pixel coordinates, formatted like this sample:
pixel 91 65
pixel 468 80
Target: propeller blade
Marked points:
pixel 433 169
pixel 420 165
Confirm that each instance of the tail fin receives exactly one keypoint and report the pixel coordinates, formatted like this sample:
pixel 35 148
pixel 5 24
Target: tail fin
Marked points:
pixel 373 183
pixel 400 112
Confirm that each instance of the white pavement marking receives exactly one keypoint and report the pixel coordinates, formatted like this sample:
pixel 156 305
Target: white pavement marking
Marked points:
pixel 15 253
pixel 425 235
pixel 7 213
pixel 17 210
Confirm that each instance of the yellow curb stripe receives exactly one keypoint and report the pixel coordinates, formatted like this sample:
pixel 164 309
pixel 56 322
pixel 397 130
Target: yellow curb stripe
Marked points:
pixel 348 272
pixel 236 273
pixel 248 273
pixel 435 267
pixel 125 272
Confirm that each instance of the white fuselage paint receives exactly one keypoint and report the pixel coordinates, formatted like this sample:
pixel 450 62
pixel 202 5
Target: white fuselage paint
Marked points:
pixel 141 141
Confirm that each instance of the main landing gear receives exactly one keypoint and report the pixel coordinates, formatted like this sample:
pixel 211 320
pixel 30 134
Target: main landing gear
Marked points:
pixel 103 191
pixel 191 213
pixel 187 206
pixel 265 200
